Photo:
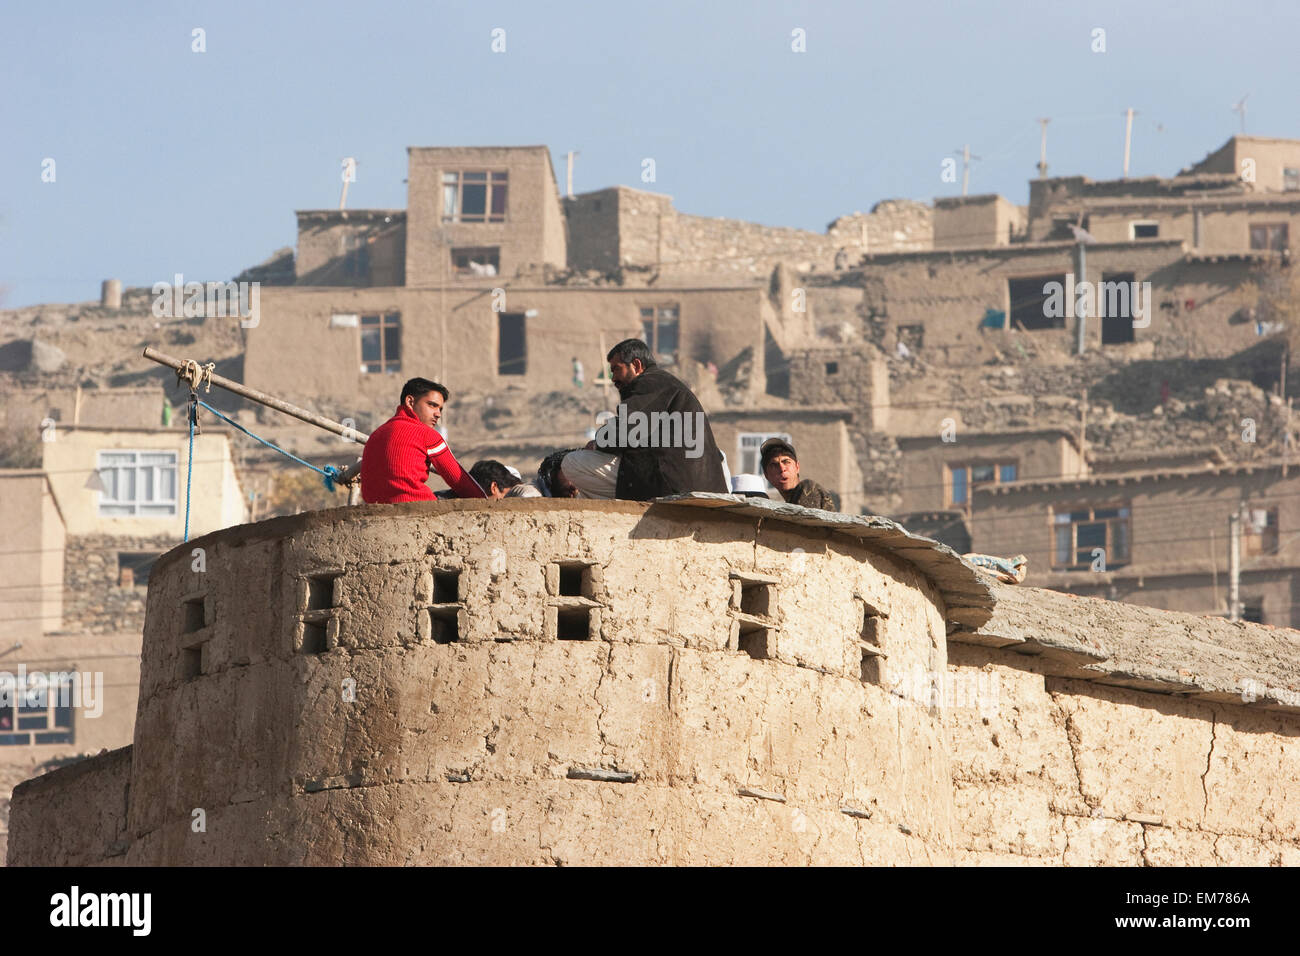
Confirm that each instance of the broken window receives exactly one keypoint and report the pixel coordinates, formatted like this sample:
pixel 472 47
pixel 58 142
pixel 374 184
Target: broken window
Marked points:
pixel 1028 303
pixel 1079 532
pixel 660 330
pixel 1271 236
pixel 478 260
pixel 512 344
pixel 1115 304
pixel 474 196
pixel 381 343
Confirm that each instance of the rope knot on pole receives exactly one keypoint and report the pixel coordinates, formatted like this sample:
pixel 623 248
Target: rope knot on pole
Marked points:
pixel 196 375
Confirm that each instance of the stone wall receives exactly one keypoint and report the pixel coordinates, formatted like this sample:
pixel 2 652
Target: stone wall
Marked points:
pixel 95 600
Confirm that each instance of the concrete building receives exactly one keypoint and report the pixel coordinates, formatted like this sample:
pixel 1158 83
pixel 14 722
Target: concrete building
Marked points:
pixel 487 683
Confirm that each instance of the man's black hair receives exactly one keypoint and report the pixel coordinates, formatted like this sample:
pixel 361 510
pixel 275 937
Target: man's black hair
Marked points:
pixel 630 349
pixel 419 387
pixel 490 470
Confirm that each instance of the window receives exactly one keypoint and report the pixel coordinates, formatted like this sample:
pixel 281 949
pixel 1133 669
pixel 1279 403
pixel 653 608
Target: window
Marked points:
pixel 38 711
pixel 477 196
pixel 512 344
pixel 1271 236
pixel 476 261
pixel 747 449
pixel 1147 229
pixel 1252 610
pixel 962 477
pixel 133 568
pixel 381 343
pixel 660 330
pixel 1028 305
pixel 137 484
pixel 1115 304
pixel 1290 179
pixel 1259 532
pixel 1076 533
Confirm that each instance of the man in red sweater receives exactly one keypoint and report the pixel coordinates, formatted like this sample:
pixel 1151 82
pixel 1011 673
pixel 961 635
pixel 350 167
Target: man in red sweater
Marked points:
pixel 397 457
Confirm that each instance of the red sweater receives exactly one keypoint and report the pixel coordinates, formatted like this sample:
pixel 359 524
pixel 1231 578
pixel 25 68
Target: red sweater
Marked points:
pixel 396 460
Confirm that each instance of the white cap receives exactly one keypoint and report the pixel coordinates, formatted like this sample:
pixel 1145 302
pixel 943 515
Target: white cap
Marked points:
pixel 515 472
pixel 749 485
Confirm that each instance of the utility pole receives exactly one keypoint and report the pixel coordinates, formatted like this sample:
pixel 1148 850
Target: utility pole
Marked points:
pixel 966 158
pixel 1234 565
pixel 568 176
pixel 1042 151
pixel 1241 108
pixel 1081 315
pixel 1128 137
pixel 1083 433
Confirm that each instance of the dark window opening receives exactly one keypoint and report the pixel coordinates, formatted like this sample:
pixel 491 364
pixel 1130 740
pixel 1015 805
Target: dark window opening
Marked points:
pixel 1078 533
pixel 754 641
pixel 381 343
pixel 1146 230
pixel 320 592
pixel 575 580
pixel 832 368
pixel 479 260
pixel 911 337
pixel 194 618
pixel 445 625
pixel 756 598
pixel 573 624
pixel 870 671
pixel 1030 306
pixel 40 712
pixel 512 344
pixel 133 568
pixel 446 587
pixel 1253 611
pixel 314 638
pixel 1115 304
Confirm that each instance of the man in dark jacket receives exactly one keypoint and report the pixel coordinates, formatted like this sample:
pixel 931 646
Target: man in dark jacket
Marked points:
pixel 661 435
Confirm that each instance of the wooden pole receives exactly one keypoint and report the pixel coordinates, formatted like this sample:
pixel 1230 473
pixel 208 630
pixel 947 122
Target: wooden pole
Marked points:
pixel 270 401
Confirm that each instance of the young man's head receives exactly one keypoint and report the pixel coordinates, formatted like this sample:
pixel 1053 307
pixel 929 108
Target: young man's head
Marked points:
pixel 629 360
pixel 780 464
pixel 425 399
pixel 549 471
pixel 493 477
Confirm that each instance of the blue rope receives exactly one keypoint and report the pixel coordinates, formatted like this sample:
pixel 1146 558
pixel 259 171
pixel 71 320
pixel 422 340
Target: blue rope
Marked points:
pixel 189 465
pixel 330 472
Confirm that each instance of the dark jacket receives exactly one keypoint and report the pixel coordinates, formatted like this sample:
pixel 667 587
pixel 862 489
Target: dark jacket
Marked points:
pixel 646 472
pixel 809 494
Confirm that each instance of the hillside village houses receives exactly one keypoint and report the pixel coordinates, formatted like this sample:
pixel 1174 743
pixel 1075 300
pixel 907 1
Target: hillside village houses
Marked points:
pixel 912 354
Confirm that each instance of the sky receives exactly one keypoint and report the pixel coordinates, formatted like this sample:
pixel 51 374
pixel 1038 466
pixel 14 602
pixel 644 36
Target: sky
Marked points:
pixel 167 160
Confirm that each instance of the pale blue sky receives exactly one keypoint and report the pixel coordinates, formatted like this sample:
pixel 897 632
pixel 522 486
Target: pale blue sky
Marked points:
pixel 173 161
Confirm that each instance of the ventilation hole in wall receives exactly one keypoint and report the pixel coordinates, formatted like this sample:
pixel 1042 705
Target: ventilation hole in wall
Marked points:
pixel 575 579
pixel 320 592
pixel 573 624
pixel 870 667
pixel 754 643
pixel 191 663
pixel 757 598
pixel 194 615
pixel 871 622
pixel 313 638
pixel 446 587
pixel 445 625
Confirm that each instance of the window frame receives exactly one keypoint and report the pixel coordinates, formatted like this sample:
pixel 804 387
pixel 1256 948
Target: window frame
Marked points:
pixel 1255 544
pixel 474 252
pixel 1135 223
pixel 383 325
pixel 12 713
pixel 1113 560
pixel 658 320
pixel 135 503
pixel 968 466
pixel 455 179
pixel 1268 246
